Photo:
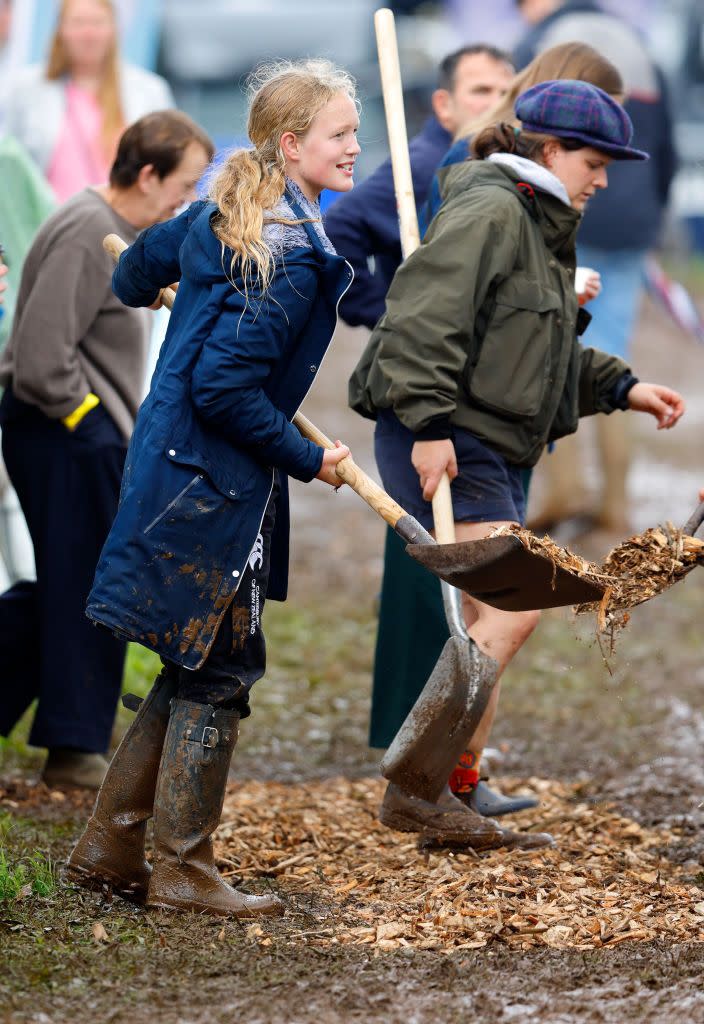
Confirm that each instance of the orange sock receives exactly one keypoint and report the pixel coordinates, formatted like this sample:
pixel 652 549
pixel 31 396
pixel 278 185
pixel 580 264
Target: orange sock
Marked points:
pixel 465 776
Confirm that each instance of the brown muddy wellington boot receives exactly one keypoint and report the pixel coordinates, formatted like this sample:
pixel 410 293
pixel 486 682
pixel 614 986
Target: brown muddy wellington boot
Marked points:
pixel 445 820
pixel 449 822
pixel 189 796
pixel 564 497
pixel 426 749
pixel 111 849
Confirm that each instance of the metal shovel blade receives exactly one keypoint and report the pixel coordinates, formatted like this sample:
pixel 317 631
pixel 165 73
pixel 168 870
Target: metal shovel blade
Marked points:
pixel 501 572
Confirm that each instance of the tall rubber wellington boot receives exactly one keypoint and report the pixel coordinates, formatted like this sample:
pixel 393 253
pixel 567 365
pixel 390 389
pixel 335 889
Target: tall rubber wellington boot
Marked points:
pixel 111 849
pixel 426 748
pixel 187 807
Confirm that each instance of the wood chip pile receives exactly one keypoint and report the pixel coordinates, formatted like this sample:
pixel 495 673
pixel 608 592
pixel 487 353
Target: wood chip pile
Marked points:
pixel 361 883
pixel 638 569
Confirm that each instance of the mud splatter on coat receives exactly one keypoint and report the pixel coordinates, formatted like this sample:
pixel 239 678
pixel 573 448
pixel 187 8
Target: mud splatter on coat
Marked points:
pixel 216 424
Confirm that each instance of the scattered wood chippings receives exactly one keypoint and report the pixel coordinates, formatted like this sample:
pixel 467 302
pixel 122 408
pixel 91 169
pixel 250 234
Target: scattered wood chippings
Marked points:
pixel 635 571
pixel 602 885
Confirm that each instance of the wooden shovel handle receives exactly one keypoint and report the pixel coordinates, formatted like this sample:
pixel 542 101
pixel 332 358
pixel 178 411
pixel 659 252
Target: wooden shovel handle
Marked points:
pixel 115 246
pixel 348 470
pixel 443 513
pixel 392 91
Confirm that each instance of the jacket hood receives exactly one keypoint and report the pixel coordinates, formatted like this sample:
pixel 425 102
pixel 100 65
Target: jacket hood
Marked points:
pixel 557 222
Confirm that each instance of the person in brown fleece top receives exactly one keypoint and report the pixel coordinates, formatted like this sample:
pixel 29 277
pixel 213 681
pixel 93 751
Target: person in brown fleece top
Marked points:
pixel 73 373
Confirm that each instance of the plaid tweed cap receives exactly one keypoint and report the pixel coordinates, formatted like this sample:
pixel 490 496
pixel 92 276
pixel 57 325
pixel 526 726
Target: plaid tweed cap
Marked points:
pixel 578 110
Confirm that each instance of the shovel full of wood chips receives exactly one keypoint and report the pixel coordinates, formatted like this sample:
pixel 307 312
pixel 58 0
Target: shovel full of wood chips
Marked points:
pixel 638 569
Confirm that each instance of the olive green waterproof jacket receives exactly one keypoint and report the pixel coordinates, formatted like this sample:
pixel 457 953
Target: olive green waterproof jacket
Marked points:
pixel 481 323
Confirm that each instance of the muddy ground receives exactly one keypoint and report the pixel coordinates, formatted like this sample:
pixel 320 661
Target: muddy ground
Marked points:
pixel 629 728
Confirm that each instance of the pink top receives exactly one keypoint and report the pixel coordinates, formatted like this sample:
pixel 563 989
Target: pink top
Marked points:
pixel 78 160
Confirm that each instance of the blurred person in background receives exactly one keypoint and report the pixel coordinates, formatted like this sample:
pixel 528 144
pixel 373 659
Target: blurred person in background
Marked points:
pixel 568 60
pixel 73 376
pixel 26 200
pixel 621 226
pixel 363 227
pixel 5 20
pixel 70 113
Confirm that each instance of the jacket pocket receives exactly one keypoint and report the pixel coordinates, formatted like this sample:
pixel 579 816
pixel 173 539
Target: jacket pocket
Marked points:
pixel 172 509
pixel 512 371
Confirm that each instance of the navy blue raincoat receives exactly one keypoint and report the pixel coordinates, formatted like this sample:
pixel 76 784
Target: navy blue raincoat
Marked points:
pixel 231 374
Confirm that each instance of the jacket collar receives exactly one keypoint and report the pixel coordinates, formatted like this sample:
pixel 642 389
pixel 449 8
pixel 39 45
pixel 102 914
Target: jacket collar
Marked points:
pixel 532 173
pixel 557 223
pixel 296 200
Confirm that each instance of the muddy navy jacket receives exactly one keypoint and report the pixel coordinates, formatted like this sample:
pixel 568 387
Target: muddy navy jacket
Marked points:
pixel 363 225
pixel 216 424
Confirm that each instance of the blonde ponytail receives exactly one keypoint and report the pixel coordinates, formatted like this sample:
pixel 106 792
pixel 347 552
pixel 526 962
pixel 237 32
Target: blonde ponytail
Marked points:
pixel 284 97
pixel 243 190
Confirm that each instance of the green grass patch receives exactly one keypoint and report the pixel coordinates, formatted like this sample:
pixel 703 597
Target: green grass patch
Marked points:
pixel 34 875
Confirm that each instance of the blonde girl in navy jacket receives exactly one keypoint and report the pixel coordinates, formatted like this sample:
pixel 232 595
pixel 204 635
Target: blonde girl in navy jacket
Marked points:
pixel 201 535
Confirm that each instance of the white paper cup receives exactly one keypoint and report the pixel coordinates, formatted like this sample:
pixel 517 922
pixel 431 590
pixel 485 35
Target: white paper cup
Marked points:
pixel 581 275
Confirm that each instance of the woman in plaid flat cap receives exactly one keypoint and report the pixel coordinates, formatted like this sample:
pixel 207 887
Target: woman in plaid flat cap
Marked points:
pixel 477 364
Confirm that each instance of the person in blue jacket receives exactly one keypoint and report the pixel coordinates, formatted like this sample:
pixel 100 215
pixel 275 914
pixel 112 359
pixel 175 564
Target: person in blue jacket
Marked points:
pixel 201 535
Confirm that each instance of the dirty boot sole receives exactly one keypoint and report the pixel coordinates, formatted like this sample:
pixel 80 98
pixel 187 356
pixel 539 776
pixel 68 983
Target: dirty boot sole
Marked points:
pixel 436 823
pixel 443 835
pixel 97 881
pixel 508 840
pixel 268 907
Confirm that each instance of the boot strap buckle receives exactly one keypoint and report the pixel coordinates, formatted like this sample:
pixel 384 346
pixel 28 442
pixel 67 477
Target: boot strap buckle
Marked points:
pixel 211 737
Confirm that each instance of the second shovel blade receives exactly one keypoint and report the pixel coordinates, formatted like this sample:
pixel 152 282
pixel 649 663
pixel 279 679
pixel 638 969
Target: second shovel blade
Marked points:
pixel 501 572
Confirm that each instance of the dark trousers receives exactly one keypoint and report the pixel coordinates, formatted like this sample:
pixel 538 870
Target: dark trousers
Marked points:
pixel 412 633
pixel 68 485
pixel 237 657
